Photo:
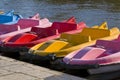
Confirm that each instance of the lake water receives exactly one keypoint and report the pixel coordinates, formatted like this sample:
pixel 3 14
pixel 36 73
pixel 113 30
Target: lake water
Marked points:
pixel 93 12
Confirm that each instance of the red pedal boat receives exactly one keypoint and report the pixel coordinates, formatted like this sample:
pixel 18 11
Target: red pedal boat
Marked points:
pixel 37 35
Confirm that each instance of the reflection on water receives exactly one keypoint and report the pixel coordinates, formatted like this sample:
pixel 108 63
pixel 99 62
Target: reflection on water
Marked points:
pixel 91 11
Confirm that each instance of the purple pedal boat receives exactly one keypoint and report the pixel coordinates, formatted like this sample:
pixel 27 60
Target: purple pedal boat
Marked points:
pixel 102 57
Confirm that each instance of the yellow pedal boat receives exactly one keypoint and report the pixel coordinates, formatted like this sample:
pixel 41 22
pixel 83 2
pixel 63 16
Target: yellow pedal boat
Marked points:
pixel 70 42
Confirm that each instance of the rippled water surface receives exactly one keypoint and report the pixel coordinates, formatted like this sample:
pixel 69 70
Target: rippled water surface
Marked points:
pixel 93 12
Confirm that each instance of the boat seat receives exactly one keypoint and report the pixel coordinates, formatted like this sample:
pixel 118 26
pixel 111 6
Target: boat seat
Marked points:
pixel 47 33
pixel 114 46
pixel 110 46
pixel 25 38
pixel 64 27
pixel 25 23
pixel 75 38
pixel 102 43
pixel 96 33
pixel 44 32
pixel 8 28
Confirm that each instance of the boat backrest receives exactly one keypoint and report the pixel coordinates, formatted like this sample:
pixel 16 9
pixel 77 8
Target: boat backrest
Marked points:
pixel 112 46
pixel 44 32
pixel 96 33
pixel 4 19
pixel 64 27
pixel 24 23
pixel 8 28
pixel 102 43
pixel 75 38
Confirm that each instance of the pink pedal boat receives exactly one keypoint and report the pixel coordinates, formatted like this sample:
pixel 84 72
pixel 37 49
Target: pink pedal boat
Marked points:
pixel 23 25
pixel 22 42
pixel 102 57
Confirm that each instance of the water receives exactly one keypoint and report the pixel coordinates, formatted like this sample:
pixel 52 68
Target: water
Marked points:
pixel 93 12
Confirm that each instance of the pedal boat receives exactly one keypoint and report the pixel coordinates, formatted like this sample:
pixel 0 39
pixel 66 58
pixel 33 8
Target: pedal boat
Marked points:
pixel 9 18
pixel 22 42
pixel 23 25
pixel 67 43
pixel 103 57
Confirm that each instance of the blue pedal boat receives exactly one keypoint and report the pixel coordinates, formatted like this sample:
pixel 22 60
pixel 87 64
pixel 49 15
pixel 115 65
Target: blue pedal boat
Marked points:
pixel 9 18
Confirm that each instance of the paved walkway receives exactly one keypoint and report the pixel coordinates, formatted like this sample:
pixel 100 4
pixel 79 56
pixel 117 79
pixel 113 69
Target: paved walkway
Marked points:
pixel 11 69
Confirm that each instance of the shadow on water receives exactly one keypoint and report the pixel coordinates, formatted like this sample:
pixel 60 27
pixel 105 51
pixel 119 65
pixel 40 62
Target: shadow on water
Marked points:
pixel 106 76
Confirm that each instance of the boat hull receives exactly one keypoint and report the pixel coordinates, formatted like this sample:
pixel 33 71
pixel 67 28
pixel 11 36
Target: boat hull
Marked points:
pixel 63 52
pixel 44 34
pixel 105 69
